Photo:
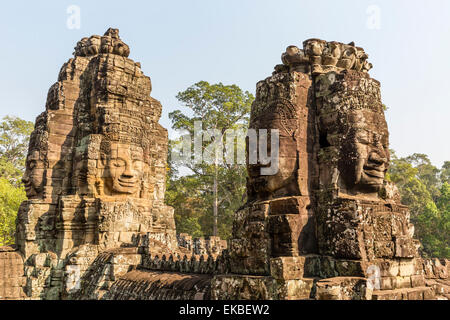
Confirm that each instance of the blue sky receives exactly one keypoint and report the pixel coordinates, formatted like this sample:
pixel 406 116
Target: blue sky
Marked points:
pixel 182 42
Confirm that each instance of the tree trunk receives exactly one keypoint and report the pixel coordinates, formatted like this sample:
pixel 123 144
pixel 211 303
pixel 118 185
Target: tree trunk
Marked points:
pixel 216 202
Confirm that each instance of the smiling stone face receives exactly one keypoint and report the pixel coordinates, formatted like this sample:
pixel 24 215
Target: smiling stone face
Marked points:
pixel 354 138
pixel 124 169
pixel 33 178
pixel 365 152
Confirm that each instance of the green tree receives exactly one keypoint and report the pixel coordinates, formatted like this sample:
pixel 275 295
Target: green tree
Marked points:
pixel 424 189
pixel 10 199
pixel 212 192
pixel 184 195
pixel 14 138
pixel 443 222
pixel 428 174
pixel 445 172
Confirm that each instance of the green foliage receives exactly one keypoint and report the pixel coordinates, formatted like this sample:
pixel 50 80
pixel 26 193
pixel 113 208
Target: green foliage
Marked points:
pixel 218 106
pixel 184 195
pixel 424 188
pixel 14 138
pixel 10 199
pixel 193 196
pixel 445 172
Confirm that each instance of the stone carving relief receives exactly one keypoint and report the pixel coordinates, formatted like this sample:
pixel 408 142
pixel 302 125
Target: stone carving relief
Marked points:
pixel 109 43
pixel 353 132
pixel 319 56
pixel 36 164
pixel 33 178
pixel 334 153
pixel 279 114
pixel 96 167
pixel 123 169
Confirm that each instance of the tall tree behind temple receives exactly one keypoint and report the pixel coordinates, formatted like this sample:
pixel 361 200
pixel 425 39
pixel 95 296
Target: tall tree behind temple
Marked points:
pixel 205 200
pixel 14 138
pixel 426 190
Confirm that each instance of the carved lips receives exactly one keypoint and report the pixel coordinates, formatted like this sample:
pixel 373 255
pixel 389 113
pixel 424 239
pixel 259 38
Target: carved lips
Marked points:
pixel 124 169
pixel 373 172
pixel 127 183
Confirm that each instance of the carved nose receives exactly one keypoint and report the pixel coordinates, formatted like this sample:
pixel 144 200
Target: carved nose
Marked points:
pixel 128 173
pixel 377 158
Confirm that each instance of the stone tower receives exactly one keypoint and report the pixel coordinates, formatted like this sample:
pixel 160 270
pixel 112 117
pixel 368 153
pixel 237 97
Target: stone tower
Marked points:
pixel 96 168
pixel 328 225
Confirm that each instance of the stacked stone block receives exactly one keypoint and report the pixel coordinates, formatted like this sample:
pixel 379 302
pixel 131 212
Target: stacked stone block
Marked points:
pixel 12 279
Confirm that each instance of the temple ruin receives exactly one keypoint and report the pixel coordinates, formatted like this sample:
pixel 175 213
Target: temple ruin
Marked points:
pixel 327 226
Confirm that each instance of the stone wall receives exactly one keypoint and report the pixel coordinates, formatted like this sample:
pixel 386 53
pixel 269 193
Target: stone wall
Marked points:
pixel 145 285
pixel 12 279
pixel 211 245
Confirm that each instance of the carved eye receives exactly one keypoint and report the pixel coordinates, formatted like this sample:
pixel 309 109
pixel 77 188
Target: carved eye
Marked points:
pixel 118 163
pixel 31 164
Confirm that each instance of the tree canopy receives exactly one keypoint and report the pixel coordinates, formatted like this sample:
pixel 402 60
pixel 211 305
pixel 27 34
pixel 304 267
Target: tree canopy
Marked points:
pixel 14 138
pixel 205 200
pixel 10 199
pixel 425 189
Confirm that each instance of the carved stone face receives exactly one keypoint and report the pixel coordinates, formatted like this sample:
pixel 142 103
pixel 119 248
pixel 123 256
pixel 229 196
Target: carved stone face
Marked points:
pixel 280 184
pixel 365 152
pixel 106 45
pixel 333 50
pixel 33 178
pixel 331 54
pixel 121 49
pixel 348 58
pixel 94 45
pixel 282 116
pixel 314 47
pixel 81 48
pixel 124 169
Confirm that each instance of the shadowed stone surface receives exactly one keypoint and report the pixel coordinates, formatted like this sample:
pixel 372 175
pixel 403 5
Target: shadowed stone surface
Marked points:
pixel 12 279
